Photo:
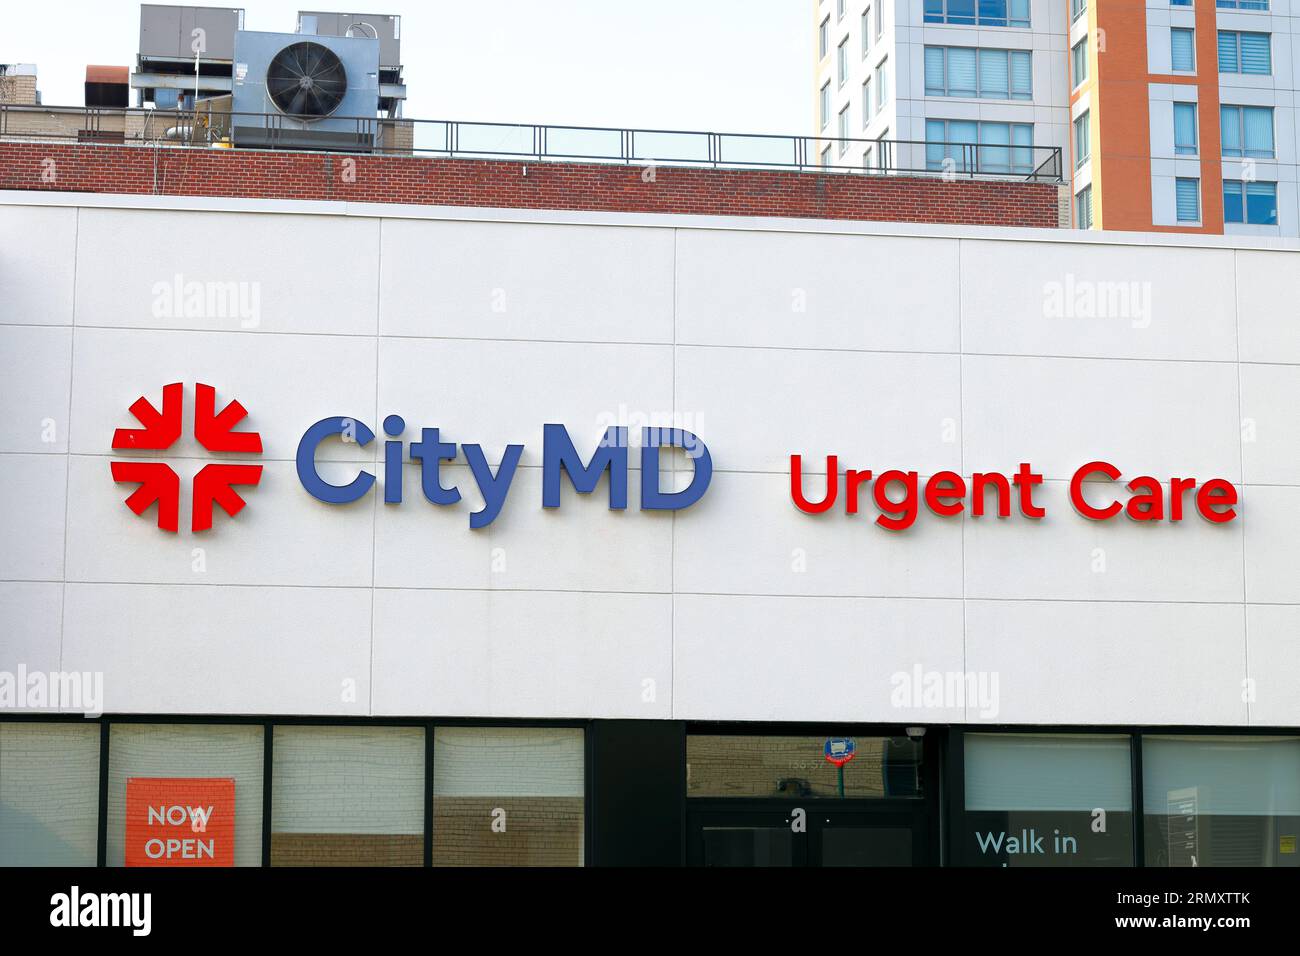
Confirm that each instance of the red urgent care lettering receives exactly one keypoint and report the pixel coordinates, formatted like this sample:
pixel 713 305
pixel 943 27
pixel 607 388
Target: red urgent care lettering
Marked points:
pixel 897 495
pixel 1147 503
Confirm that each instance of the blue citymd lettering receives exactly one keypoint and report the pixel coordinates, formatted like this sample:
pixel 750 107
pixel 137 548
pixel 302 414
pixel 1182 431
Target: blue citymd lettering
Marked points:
pixel 431 453
pixel 394 425
pixel 652 439
pixel 559 459
pixel 494 488
pixel 559 454
pixel 317 486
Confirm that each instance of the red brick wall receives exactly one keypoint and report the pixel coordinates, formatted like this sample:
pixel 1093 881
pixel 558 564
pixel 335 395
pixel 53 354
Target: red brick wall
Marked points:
pixel 172 171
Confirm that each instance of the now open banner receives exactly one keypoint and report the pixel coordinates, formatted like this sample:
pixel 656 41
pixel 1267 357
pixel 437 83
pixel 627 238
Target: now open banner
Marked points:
pixel 180 821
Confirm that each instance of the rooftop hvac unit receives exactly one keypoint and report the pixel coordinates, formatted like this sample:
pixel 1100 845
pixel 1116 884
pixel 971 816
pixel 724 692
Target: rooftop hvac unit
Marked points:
pixel 317 92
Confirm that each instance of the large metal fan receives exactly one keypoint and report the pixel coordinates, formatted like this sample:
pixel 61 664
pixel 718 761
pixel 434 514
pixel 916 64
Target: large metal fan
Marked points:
pixel 306 79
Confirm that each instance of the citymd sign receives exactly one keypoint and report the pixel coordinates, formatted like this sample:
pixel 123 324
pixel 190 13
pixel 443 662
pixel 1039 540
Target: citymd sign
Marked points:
pixel 560 459
pixel 897 495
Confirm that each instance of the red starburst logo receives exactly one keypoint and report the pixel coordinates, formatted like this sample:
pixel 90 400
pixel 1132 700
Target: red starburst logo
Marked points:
pixel 213 430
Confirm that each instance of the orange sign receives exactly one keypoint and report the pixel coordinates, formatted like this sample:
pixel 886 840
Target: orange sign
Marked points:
pixel 180 821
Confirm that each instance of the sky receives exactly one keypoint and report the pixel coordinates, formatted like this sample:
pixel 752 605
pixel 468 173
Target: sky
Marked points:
pixel 719 65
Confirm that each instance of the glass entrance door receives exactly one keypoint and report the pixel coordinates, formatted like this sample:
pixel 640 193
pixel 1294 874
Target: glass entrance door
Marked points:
pixel 755 798
pixel 739 838
pixel 867 839
pixel 808 836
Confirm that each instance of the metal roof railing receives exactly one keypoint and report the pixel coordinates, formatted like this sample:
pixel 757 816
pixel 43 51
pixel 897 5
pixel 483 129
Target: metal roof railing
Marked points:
pixel 208 127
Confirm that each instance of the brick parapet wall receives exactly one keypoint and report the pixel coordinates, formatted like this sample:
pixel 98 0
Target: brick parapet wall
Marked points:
pixel 420 180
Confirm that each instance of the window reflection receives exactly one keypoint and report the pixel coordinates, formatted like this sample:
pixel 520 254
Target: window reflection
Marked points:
pixel 796 768
pixel 1221 801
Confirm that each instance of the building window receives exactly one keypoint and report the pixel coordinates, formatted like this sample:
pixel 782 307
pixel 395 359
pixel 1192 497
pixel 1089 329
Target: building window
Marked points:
pixel 1245 53
pixel 825 105
pixel 867 158
pixel 824 38
pixel 1081 144
pixel 882 83
pixel 986 13
pixel 866 31
pixel 966 71
pixel 216 765
pixel 839 9
pixel 1180 3
pixel 826 158
pixel 532 778
pixel 1182 50
pixel 1187 199
pixel 1220 801
pixel 844 130
pixel 866 102
pixel 352 795
pixel 882 151
pixel 1185 129
pixel 1050 785
pixel 970 146
pixel 1242 4
pixel 842 61
pixel 49 794
pixel 1079 61
pixel 1077 9
pixel 1083 208
pixel 880 19
pixel 795 768
pixel 1250 202
pixel 1247 131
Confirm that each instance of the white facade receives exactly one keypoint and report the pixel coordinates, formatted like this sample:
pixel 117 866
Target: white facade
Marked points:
pixel 756 335
pixel 897 52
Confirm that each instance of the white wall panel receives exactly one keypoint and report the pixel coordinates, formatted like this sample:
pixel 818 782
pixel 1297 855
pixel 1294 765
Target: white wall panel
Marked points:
pixel 37 264
pixel 1163 419
pixel 1118 302
pixel 1271 631
pixel 739 607
pixel 523 654
pixel 32 613
pixel 808 658
pixel 34 388
pixel 1272 544
pixel 31 544
pixel 793 291
pixel 176 649
pixel 1265 280
pixel 1270 413
pixel 288 274
pixel 526 281
pixel 1131 662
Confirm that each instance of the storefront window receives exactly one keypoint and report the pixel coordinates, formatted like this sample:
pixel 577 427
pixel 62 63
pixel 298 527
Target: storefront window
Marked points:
pixel 1221 801
pixel 185 795
pixel 348 796
pixel 49 794
pixel 796 768
pixel 508 797
pixel 1040 800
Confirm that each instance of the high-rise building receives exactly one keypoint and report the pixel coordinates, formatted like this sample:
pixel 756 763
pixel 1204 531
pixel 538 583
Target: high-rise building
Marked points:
pixel 1172 115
